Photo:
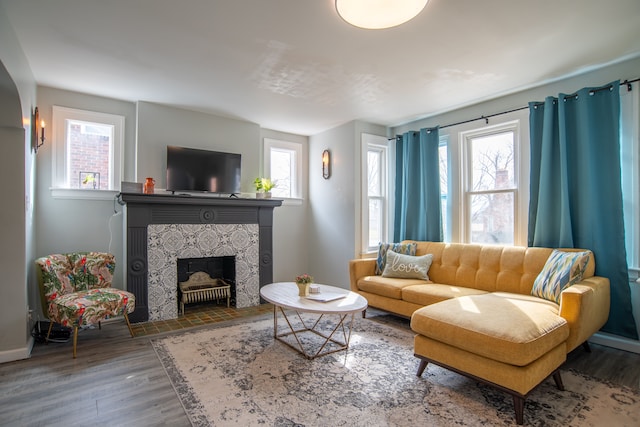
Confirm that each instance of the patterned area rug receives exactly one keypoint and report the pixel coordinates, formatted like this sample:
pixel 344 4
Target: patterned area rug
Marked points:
pixel 238 375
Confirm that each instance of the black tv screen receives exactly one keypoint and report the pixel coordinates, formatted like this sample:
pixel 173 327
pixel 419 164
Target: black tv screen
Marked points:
pixel 190 169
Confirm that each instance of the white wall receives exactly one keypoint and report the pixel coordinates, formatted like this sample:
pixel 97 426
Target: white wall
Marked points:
pixel 69 225
pixel 334 202
pixel 17 101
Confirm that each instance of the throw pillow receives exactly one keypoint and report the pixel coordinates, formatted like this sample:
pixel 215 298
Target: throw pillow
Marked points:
pixel 407 266
pixel 400 248
pixel 561 270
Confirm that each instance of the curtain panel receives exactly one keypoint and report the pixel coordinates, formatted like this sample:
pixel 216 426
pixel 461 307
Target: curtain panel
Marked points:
pixel 418 213
pixel 576 192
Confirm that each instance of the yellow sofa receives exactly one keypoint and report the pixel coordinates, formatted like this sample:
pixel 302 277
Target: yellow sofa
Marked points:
pixel 476 315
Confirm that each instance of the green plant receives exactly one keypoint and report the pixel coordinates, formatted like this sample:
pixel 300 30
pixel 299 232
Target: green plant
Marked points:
pixel 264 184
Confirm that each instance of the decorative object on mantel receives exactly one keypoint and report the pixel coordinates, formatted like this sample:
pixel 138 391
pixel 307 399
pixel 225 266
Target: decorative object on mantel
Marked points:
pixel 220 372
pixel 326 164
pixel 304 282
pixel 149 186
pixel 263 187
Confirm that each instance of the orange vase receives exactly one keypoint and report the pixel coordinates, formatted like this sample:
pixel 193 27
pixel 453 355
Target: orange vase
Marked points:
pixel 149 186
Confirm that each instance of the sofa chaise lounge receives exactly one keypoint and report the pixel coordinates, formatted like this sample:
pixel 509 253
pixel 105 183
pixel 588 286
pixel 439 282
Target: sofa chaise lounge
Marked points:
pixel 475 313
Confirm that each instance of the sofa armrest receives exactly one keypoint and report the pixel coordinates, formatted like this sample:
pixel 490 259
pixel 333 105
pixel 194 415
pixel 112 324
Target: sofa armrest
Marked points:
pixel 585 307
pixel 360 268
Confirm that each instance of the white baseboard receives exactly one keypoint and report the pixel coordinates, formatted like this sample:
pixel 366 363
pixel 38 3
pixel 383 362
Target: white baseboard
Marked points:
pixel 615 341
pixel 18 353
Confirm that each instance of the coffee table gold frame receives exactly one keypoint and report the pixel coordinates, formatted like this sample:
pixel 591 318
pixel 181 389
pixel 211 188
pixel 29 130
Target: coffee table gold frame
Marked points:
pixel 286 301
pixel 342 345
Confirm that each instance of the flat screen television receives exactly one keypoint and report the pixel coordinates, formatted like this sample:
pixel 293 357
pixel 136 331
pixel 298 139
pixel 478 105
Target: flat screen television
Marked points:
pixel 194 170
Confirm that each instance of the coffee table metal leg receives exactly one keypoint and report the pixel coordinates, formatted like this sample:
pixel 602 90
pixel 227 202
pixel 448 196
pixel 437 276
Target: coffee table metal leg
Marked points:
pixel 344 345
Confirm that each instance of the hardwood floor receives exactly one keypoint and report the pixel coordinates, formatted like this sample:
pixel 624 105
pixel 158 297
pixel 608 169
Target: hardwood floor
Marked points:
pixel 118 380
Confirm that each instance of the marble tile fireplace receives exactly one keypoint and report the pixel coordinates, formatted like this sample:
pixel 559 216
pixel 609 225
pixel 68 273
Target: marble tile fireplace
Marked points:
pixel 160 229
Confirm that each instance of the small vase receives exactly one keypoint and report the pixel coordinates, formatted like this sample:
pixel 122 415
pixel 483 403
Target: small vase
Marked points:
pixel 303 289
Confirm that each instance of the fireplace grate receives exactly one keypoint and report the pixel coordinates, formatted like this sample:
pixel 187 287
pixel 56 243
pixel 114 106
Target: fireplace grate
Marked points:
pixel 200 287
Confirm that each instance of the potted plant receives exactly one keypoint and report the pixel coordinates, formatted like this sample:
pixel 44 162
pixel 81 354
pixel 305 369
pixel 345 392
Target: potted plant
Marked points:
pixel 304 281
pixel 263 187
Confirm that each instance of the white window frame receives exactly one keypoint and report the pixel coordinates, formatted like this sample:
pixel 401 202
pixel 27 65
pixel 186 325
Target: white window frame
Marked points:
pixel 380 144
pixel 461 184
pixel 296 148
pixel 60 179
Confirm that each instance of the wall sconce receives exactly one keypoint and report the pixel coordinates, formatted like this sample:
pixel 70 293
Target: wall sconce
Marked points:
pixel 326 164
pixel 38 131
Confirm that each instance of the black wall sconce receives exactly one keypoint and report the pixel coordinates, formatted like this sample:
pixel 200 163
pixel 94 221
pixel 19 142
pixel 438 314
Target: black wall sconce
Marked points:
pixel 37 131
pixel 326 164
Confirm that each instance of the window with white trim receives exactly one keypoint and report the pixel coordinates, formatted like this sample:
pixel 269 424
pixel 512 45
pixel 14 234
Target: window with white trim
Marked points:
pixel 491 184
pixel 87 149
pixel 283 164
pixel 375 197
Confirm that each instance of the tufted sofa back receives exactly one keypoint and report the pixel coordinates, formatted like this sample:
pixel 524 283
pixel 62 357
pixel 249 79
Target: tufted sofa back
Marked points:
pixel 488 267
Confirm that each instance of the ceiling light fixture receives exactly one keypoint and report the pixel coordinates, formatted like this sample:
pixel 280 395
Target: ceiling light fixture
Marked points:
pixel 379 14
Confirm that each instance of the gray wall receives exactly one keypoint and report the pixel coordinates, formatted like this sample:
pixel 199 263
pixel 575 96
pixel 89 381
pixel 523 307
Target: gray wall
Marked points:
pixel 334 215
pixel 17 101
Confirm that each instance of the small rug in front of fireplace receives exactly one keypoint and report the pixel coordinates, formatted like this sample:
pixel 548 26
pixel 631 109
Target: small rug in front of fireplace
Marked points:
pixel 238 375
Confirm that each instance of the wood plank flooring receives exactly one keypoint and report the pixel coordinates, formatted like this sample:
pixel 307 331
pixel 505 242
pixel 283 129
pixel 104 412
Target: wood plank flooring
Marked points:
pixel 118 380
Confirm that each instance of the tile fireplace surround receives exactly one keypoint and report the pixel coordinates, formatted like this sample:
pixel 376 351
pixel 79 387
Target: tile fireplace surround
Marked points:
pixel 161 228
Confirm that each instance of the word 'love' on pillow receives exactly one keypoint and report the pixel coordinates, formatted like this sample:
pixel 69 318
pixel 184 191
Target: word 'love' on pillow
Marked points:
pixel 399 248
pixel 407 266
pixel 561 270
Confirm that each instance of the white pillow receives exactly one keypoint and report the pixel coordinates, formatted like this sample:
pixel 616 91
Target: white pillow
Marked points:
pixel 407 266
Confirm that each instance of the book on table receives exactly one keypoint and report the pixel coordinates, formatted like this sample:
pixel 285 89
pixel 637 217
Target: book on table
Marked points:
pixel 326 296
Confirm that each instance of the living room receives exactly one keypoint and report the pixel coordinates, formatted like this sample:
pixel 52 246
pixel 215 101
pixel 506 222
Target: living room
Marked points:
pixel 309 232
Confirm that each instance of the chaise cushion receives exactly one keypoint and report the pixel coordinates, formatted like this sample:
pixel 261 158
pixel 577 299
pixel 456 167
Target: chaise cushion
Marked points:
pixel 510 328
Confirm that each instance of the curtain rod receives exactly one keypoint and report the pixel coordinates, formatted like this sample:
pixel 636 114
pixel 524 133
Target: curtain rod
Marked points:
pixel 486 118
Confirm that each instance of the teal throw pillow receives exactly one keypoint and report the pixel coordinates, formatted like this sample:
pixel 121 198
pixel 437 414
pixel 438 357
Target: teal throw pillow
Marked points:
pixel 561 270
pixel 407 266
pixel 400 248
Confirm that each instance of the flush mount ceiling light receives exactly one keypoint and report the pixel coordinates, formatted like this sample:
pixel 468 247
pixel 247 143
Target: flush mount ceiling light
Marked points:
pixel 378 14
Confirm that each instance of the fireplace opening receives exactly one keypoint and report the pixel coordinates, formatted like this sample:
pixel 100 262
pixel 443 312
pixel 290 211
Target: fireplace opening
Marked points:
pixel 210 280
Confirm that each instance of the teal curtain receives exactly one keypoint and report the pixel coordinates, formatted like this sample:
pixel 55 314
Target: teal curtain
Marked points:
pixel 417 193
pixel 576 192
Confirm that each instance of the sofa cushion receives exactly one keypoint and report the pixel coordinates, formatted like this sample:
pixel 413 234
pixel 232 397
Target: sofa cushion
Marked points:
pixel 431 293
pixel 510 328
pixel 407 266
pixel 399 248
pixel 389 287
pixel 561 270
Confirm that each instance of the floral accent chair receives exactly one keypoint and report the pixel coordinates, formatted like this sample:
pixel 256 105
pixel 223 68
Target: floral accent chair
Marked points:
pixel 76 291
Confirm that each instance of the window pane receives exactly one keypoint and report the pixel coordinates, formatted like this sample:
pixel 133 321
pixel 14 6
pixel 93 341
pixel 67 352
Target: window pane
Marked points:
pixel 492 218
pixel 374 178
pixel 492 162
pixel 444 187
pixel 89 154
pixel 282 170
pixel 375 222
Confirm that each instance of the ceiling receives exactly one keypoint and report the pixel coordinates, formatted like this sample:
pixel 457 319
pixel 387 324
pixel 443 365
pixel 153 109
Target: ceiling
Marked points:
pixel 295 66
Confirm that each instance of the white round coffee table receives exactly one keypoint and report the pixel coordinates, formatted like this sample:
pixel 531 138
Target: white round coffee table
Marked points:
pixel 330 301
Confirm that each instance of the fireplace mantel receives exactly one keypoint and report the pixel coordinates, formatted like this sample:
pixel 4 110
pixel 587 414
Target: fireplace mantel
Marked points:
pixel 142 210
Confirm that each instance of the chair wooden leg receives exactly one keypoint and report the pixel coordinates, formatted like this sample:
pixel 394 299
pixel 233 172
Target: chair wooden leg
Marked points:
pixel 586 346
pixel 558 379
pixel 518 405
pixel 99 325
pixel 49 331
pixel 75 340
pixel 126 317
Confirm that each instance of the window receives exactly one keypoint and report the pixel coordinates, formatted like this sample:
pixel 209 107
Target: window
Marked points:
pixel 87 149
pixel 443 156
pixel 283 164
pixel 374 191
pixel 490 193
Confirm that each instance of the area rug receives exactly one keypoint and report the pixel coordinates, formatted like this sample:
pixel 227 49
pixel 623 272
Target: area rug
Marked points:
pixel 238 375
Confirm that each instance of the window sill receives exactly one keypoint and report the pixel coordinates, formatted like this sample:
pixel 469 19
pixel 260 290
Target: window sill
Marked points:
pixel 80 194
pixel 291 202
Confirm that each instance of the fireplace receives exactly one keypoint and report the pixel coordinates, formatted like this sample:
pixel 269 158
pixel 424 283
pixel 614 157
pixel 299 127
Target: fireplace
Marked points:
pixel 218 268
pixel 162 228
